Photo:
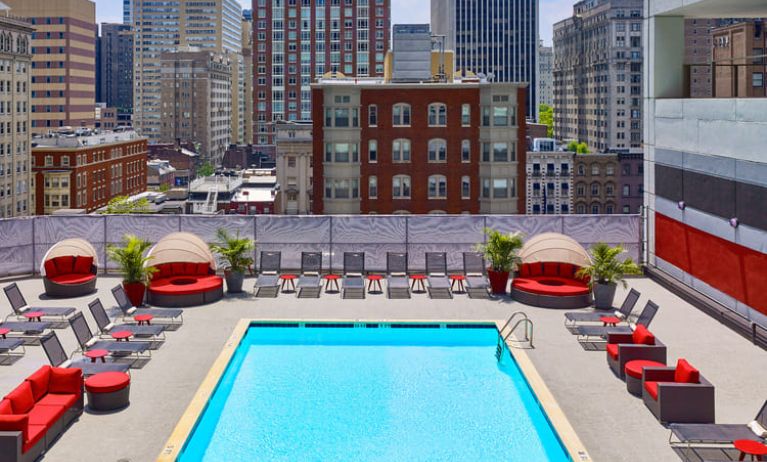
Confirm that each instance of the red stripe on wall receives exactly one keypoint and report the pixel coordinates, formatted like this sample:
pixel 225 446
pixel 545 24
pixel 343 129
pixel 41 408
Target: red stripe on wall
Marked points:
pixel 736 270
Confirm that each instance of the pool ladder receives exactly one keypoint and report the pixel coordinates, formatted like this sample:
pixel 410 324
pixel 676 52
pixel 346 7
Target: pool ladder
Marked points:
pixel 503 337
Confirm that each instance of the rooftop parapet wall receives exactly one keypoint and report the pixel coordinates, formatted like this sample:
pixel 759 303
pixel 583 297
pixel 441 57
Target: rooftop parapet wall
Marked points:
pixel 26 240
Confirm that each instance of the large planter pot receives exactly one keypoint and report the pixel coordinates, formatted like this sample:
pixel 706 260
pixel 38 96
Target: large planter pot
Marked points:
pixel 135 292
pixel 234 281
pixel 604 295
pixel 498 281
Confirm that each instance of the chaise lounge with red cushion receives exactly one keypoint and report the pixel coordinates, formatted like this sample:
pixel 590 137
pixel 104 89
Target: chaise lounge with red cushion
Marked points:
pixel 34 414
pixel 69 269
pixel 184 284
pixel 678 394
pixel 625 347
pixel 550 285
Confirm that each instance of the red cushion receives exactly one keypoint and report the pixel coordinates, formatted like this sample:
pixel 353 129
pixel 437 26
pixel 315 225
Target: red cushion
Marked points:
pixel 67 381
pixel 65 264
pixel 16 422
pixel 190 268
pixel 652 389
pixel 203 269
pixel 565 287
pixel 612 350
pixel 524 270
pixel 66 400
pixel 642 336
pixel 178 269
pixel 34 434
pixel 83 264
pixel 73 278
pixel 567 270
pixel 39 382
pixel 50 269
pixel 685 373
pixel 163 271
pixel 107 382
pixel 550 269
pixel 201 284
pixel 22 399
pixel 535 269
pixel 5 407
pixel 45 415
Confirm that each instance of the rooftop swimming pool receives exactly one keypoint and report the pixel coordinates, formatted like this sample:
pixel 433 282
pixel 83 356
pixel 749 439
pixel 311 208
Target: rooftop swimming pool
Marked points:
pixel 372 392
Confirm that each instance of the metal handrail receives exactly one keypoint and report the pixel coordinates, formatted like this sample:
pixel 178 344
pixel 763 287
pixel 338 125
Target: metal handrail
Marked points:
pixel 511 318
pixel 502 339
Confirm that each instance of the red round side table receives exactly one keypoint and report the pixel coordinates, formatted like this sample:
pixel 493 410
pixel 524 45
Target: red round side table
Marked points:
pixel 418 279
pixel 752 448
pixel 96 354
pixel 143 318
pixel 122 335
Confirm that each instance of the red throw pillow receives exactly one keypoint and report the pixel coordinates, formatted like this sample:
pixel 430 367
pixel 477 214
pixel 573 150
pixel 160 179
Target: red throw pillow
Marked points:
pixel 65 264
pixel 203 269
pixel 5 407
pixel 190 269
pixel 178 269
pixel 551 269
pixel 567 270
pixel 39 381
pixel 83 264
pixel 535 269
pixel 524 270
pixel 163 271
pixel 15 423
pixel 642 336
pixel 22 400
pixel 50 269
pixel 65 380
pixel 685 373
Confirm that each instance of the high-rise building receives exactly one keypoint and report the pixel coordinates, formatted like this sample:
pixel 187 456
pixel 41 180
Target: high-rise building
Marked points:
pixel 128 12
pixel 247 61
pixel 293 142
pixel 63 61
pixel 296 42
pixel 196 96
pixel 738 50
pixel 498 38
pixel 211 26
pixel 16 183
pixel 545 76
pixel 115 67
pixel 697 47
pixel 598 75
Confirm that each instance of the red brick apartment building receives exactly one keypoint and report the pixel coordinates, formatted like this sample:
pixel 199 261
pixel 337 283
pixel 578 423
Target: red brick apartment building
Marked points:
pixel 442 147
pixel 84 169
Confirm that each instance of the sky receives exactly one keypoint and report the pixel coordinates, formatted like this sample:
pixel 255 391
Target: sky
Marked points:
pixel 403 12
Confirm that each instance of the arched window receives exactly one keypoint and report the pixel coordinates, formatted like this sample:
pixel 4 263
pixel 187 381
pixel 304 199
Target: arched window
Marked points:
pixel 437 115
pixel 465 151
pixel 581 169
pixel 401 115
pixel 401 187
pixel 437 150
pixel 580 189
pixel 594 169
pixel 373 187
pixel 595 189
pixel 610 189
pixel 437 187
pixel 595 209
pixel 580 208
pixel 610 169
pixel 465 187
pixel 400 150
pixel 610 208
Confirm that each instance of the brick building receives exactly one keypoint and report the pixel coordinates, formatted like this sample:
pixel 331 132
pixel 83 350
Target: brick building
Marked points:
pixel 440 147
pixel 549 182
pixel 596 184
pixel 737 73
pixel 243 156
pixel 182 157
pixel 83 170
pixel 631 183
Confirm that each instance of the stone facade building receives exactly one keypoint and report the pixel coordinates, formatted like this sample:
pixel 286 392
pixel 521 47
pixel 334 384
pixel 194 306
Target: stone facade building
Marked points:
pixel 545 76
pixel 596 181
pixel 631 183
pixel 549 182
pixel 737 74
pixel 294 167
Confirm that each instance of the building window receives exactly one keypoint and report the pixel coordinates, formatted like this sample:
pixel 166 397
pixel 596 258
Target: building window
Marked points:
pixel 401 187
pixel 757 79
pixel 610 189
pixel 48 161
pixel 466 115
pixel 437 115
pixel 595 169
pixel 465 151
pixel 610 169
pixel 401 115
pixel 564 208
pixel 65 161
pixel 626 190
pixel 500 116
pixel 400 150
pixel 372 115
pixel 465 187
pixel 486 188
pixel 373 187
pixel 373 151
pixel 437 150
pixel 595 209
pixel 437 187
pixel 609 209
pixel 580 208
pixel 485 116
pixel 581 169
pixel 626 209
pixel 500 188
pixel 291 162
pixel 594 189
pixel 500 152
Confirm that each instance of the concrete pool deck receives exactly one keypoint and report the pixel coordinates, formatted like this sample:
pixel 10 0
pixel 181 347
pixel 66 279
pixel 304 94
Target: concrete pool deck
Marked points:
pixel 613 425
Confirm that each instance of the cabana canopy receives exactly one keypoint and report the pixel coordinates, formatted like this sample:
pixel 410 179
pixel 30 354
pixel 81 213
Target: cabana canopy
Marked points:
pixel 181 247
pixel 554 247
pixel 70 247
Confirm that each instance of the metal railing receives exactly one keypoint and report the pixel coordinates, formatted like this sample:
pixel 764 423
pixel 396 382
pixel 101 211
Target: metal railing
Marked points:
pixel 727 79
pixel 524 321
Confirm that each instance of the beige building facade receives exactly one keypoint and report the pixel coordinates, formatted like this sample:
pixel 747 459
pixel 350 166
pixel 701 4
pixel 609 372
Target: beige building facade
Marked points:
pixel 294 167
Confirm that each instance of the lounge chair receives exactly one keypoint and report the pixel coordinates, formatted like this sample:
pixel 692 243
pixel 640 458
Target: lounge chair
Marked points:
pixel 678 394
pixel 591 333
pixel 88 341
pixel 310 282
pixel 58 358
pixel 26 328
pixel 175 316
pixel 436 272
pixel 353 284
pixel 9 345
pixel 397 284
pixel 577 317
pixel 477 284
pixel 717 434
pixel 640 344
pixel 268 282
pixel 22 310
pixel 150 333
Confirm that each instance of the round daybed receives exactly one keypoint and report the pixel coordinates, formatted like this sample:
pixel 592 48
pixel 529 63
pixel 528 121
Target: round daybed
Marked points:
pixel 546 276
pixel 186 272
pixel 69 269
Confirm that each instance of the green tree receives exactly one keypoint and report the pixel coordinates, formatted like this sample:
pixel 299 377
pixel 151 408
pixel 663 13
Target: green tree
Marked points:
pixel 206 169
pixel 546 117
pixel 164 187
pixel 580 148
pixel 121 205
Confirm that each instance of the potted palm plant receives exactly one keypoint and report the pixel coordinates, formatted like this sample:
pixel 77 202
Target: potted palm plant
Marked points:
pixel 605 272
pixel 501 251
pixel 237 252
pixel 133 265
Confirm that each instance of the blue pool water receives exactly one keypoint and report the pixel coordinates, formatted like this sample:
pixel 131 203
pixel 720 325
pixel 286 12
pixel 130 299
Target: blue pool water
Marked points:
pixel 372 394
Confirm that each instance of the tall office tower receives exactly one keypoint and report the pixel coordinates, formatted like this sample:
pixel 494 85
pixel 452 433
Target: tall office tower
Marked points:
pixel 63 61
pixel 697 54
pixel 16 182
pixel 490 37
pixel 213 26
pixel 545 75
pixel 598 75
pixel 196 98
pixel 128 12
pixel 247 57
pixel 115 69
pixel 296 42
